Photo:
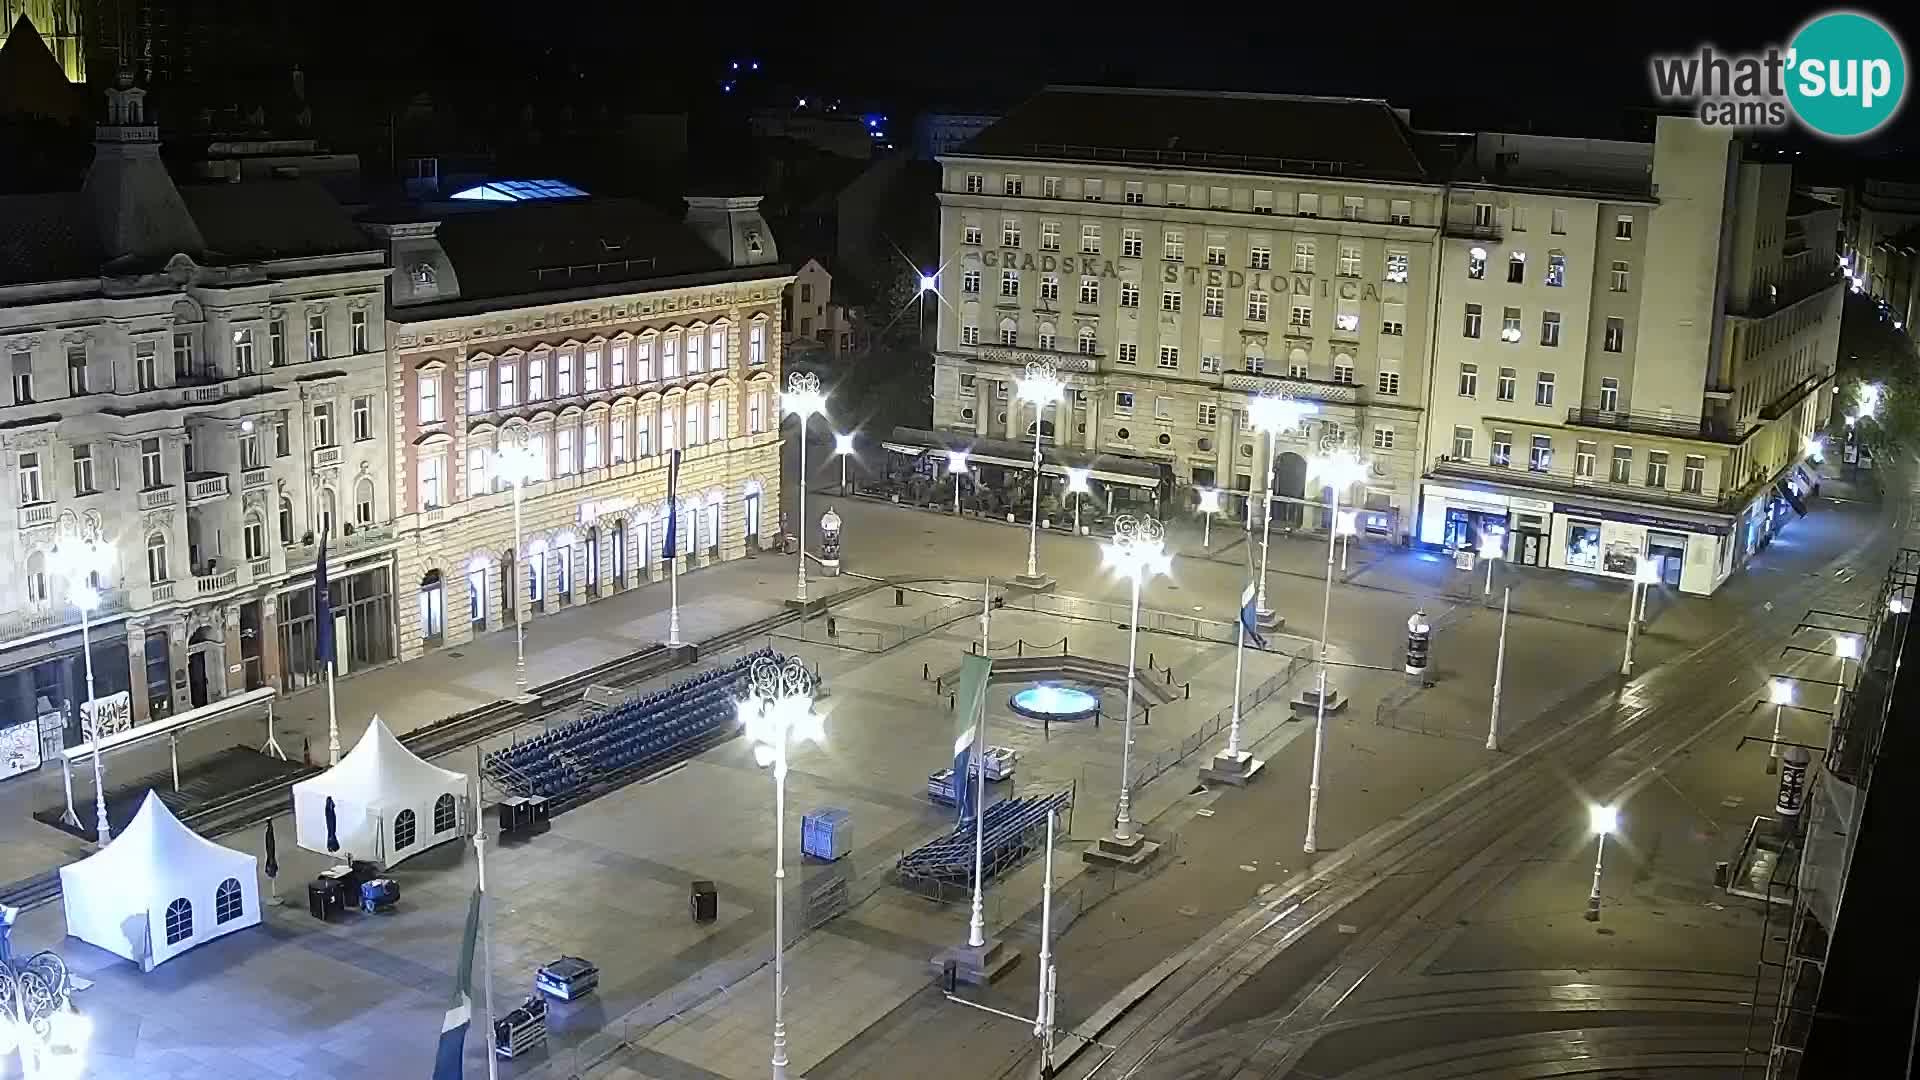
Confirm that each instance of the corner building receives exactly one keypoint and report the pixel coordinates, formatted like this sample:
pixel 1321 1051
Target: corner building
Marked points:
pixel 1174 253
pixel 1636 342
pixel 603 334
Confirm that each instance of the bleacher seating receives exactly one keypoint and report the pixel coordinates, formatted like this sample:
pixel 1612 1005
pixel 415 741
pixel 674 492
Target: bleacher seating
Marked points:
pixel 1014 829
pixel 645 731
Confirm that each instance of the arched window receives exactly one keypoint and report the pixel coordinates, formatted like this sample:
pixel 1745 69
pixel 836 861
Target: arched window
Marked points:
pixel 1088 343
pixel 254 537
pixel 179 921
pixel 157 558
pixel 445 816
pixel 226 901
pixel 37 577
pixel 286 520
pixel 363 502
pixel 403 830
pixel 433 606
pixel 1009 332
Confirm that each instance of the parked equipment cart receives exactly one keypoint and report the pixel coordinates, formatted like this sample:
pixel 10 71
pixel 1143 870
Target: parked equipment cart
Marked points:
pixel 380 894
pixel 522 1029
pixel 569 978
pixel 999 760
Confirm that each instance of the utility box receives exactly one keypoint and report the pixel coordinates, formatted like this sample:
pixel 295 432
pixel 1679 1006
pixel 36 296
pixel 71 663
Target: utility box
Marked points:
pixel 827 833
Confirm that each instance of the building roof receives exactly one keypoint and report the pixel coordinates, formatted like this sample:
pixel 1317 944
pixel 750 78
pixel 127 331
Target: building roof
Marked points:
pixel 48 237
pixel 272 219
pixel 1267 133
pixel 31 80
pixel 519 248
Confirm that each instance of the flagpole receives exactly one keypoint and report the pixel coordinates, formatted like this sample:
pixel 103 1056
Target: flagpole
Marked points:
pixel 1239 663
pixel 672 544
pixel 673 592
pixel 333 722
pixel 977 925
pixel 486 935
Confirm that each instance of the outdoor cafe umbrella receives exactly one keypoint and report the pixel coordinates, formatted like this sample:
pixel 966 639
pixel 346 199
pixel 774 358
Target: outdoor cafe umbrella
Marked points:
pixel 333 826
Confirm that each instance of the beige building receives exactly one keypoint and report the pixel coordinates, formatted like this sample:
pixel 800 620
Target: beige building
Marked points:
pixel 196 374
pixel 1636 341
pixel 1175 253
pixel 811 320
pixel 601 335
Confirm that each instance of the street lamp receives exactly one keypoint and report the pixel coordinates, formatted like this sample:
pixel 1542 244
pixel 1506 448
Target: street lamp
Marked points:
pixel 1645 576
pixel 1339 470
pixel 1077 486
pixel 1780 693
pixel 1271 414
pixel 1040 388
pixel 1815 448
pixel 1490 549
pixel 1846 647
pixel 37 1016
pixel 1347 525
pixel 778 710
pixel 804 400
pixel 843 449
pixel 956 464
pixel 1605 819
pixel 1138 551
pixel 83 558
pixel 515 462
pixel 1209 505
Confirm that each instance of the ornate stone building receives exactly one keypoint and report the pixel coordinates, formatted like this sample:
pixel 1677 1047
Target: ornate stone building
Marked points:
pixel 196 376
pixel 599 335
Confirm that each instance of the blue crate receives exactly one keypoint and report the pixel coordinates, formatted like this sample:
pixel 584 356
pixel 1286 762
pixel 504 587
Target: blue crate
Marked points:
pixel 826 833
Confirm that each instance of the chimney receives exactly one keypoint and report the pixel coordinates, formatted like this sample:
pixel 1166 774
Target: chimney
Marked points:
pixel 732 226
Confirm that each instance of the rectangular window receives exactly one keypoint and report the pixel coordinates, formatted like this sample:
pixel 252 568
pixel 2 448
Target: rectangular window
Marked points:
pixel 1136 194
pixel 1559 221
pixel 1163 408
pixel 1510 325
pixel 1012 185
pixel 1050 187
pixel 1262 202
pixel 1170 357
pixel 509 388
pixel 716 420
pixel 1170 300
pixel 757 344
pixel 1584 454
pixel 1483 215
pixel 1209 414
pixel 1383 438
pixel 362 418
pixel 1089 290
pixel 476 390
pixel 970 236
pixel 476 472
pixel 1550 329
pixel 969 335
pixel 83 468
pixel 1622 469
pixel 429 398
pixel 1621 276
pixel 1302 317
pixel 1609 395
pixel 1469 380
pixel 617 440
pixel 29 472
pixel 1505 389
pixel 1623 227
pixel 1462 444
pixel 969 284
pixel 432 493
pixel 1299 368
pixel 277 342
pixel 1309 205
pixel 152 470
pixel 1694 479
pixel 1049 236
pixel 976 183
pixel 1476 263
pixel 1260 257
pixel 1123 401
pixel 1176 194
pixel 1091 190
pixel 563 452
pixel 357 326
pixel 1393 320
pixel 1616 334
pixel 1342 372
pixel 1009 335
pixel 1126 352
pixel 1556 269
pixel 1656 468
pixel 317 336
pixel 590 445
pixel 1540 454
pixel 1472 327
pixel 670 357
pixel 590 366
pixel 182 361
pixel 1389 384
pixel 1400 212
pixel 1050 288
pixel 537 379
pixel 323 424
pixel 1010 284
pixel 1209 365
pixel 1518 215
pixel 1543 389
pixel 1256 306
pixel 1216 255
pixel 1397 264
pixel 1133 242
pixel 1176 246
pixel 617 366
pixel 643 359
pixel 563 366
pixel 1349 260
pixel 642 434
pixel 242 353
pixel 1502 453
pixel 1010 232
pixel 1303 257
pixel 282 442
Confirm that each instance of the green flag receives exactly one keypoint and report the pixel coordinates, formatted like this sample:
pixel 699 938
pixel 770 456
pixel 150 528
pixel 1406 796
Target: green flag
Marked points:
pixel 969 718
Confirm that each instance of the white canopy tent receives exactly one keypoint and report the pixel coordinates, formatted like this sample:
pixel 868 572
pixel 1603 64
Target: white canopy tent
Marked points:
pixel 159 889
pixel 388 804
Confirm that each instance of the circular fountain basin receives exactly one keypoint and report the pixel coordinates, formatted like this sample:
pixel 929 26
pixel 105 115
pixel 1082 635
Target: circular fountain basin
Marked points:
pixel 1054 701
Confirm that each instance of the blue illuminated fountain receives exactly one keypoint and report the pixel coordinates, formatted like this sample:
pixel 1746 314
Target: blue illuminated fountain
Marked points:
pixel 1054 701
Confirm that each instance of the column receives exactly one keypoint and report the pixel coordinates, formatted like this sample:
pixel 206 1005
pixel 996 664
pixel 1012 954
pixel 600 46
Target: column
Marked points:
pixel 270 642
pixel 1091 440
pixel 142 708
pixel 177 665
pixel 233 674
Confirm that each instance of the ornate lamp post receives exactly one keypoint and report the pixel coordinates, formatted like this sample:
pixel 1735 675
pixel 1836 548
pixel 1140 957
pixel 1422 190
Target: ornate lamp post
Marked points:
pixel 1271 414
pixel 956 467
pixel 1138 551
pixel 777 710
pixel 1040 388
pixel 1209 505
pixel 1605 819
pixel 1340 470
pixel 515 462
pixel 1077 486
pixel 843 449
pixel 804 400
pixel 1645 576
pixel 84 559
pixel 36 1006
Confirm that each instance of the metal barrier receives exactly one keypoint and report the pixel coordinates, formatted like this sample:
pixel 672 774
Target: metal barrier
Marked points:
pixel 1159 764
pixel 1161 622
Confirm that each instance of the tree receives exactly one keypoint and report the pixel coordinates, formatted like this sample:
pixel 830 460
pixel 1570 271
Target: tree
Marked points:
pixel 1872 352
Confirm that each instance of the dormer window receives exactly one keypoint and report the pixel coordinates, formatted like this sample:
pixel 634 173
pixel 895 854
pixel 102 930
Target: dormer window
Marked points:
pixel 753 242
pixel 425 279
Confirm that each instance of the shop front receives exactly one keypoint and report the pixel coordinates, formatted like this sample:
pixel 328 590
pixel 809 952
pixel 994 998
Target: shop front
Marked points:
pixel 1610 542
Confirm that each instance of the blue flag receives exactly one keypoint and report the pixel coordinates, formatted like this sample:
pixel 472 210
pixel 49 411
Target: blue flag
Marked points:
pixel 449 1061
pixel 969 712
pixel 322 609
pixel 1249 619
pixel 672 545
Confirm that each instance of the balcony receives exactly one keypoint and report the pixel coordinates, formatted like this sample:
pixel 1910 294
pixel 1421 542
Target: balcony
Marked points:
pixel 256 478
pixel 1471 230
pixel 262 569
pixel 1307 389
pixel 162 592
pixel 205 488
pixel 158 498
pixel 1062 361
pixel 326 457
pixel 1704 429
pixel 1563 481
pixel 201 395
pixel 210 584
pixel 36 514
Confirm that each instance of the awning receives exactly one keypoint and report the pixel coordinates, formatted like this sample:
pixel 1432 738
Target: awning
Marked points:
pixel 1055 460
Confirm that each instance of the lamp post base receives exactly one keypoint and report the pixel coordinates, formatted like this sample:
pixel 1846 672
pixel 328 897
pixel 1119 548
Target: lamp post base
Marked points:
pixel 1269 620
pixel 1129 853
pixel 1236 769
pixel 977 965
pixel 1038 583
pixel 1306 704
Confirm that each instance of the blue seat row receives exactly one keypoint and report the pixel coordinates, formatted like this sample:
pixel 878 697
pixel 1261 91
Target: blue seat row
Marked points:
pixel 649 728
pixel 1008 831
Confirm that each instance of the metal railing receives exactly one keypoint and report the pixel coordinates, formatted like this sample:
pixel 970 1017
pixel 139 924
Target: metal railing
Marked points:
pixel 1152 768
pixel 1164 622
pixel 1566 481
pixel 1679 427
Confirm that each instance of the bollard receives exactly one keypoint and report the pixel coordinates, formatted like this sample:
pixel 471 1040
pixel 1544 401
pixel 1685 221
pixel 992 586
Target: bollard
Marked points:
pixel 1020 646
pixel 926 672
pixel 1186 691
pixel 833 628
pixel 938 687
pixel 1146 715
pixel 1169 675
pixel 899 598
pixel 950 698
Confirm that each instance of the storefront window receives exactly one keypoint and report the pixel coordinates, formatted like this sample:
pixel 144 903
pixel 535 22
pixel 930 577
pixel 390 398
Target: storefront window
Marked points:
pixel 1583 545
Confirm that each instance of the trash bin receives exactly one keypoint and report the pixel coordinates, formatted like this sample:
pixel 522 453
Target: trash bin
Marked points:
pixel 705 902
